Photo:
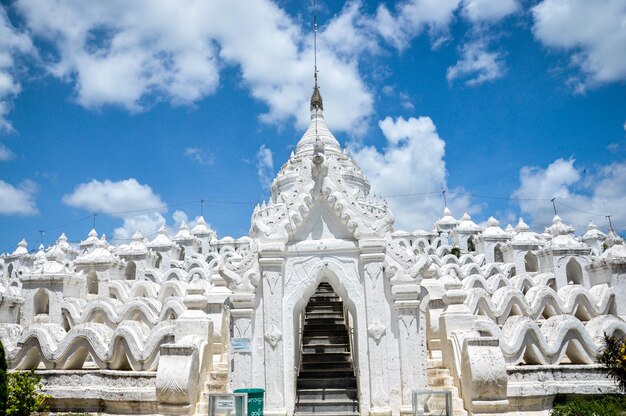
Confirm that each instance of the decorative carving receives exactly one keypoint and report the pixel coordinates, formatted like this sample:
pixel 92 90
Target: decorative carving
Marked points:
pixel 272 280
pixel 374 271
pixel 241 273
pixel 273 336
pixel 171 389
pixel 376 330
pixel 363 215
pixel 242 328
pixel 407 322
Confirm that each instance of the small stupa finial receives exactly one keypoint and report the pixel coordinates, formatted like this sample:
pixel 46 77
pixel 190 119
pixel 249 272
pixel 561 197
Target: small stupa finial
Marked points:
pixel 316 98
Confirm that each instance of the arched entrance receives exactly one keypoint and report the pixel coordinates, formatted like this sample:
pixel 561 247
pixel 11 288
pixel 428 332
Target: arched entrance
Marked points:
pixel 344 282
pixel 574 272
pixel 532 264
pixel 326 380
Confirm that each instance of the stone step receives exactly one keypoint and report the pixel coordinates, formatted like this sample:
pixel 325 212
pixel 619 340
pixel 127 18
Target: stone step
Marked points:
pixel 324 340
pixel 308 357
pixel 326 348
pixel 327 414
pixel 219 375
pixel 332 337
pixel 327 364
pixel 325 296
pixel 435 363
pixel 329 310
pixel 328 405
pixel 457 407
pixel 438 372
pixel 440 382
pixel 327 394
pixel 324 301
pixel 325 382
pixel 314 314
pixel 325 329
pixel 326 372
pixel 316 323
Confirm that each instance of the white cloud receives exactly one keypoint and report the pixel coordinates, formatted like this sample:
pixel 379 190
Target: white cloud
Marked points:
pixel 414 150
pixel 349 33
pixel 116 198
pixel 137 205
pixel 18 200
pixel 147 224
pixel 5 153
pixel 133 53
pixel 488 10
pixel 592 31
pixel 12 44
pixel 198 155
pixel 179 217
pixel 265 166
pixel 411 18
pixel 614 147
pixel 591 194
pixel 477 64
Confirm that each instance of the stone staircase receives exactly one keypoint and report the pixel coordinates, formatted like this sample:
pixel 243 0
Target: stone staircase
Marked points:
pixel 214 382
pixel 439 378
pixel 326 382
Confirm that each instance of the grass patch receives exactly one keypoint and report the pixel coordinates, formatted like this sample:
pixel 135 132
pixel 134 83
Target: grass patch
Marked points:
pixel 591 406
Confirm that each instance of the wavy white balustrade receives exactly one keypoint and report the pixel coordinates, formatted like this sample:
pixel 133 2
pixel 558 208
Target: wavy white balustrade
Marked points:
pixel 447 258
pixel 112 312
pixel 490 284
pixel 132 345
pixel 541 302
pixel 524 340
pixel 465 271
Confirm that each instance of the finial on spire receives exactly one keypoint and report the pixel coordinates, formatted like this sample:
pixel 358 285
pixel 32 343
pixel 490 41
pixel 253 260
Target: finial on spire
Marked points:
pixel 316 98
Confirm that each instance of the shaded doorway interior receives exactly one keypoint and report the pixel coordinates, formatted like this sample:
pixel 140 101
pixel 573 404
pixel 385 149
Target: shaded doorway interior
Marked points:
pixel 327 383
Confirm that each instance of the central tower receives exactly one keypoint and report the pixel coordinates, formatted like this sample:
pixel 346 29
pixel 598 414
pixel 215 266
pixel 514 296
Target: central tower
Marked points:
pixel 322 227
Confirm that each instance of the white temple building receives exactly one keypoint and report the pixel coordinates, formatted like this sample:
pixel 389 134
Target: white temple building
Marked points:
pixel 324 305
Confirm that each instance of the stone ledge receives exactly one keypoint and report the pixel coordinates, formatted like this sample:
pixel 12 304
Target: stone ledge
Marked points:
pixel 109 391
pixel 534 387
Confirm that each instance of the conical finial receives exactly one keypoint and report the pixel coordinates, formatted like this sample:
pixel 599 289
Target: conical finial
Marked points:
pixel 316 98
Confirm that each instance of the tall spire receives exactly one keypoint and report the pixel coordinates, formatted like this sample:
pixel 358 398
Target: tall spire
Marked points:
pixel 316 98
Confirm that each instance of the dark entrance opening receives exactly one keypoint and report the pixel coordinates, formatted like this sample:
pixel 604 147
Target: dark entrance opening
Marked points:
pixel 326 382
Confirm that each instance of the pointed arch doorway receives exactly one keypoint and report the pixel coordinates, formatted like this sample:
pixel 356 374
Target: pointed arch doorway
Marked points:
pixel 326 383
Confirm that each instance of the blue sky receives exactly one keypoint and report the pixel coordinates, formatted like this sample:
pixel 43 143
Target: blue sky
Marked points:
pixel 128 106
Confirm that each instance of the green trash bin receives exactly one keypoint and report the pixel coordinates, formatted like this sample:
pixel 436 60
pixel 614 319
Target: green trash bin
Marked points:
pixel 255 400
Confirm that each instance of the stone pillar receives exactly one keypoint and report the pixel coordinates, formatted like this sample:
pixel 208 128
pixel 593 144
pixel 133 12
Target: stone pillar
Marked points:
pixel 185 363
pixel 484 379
pixel 455 317
pixel 412 341
pixel 377 320
pixel 240 351
pixel 177 385
pixel 271 263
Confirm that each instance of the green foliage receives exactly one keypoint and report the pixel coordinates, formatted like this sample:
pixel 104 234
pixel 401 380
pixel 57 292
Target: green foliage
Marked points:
pixel 613 356
pixel 3 382
pixel 593 406
pixel 456 251
pixel 25 395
